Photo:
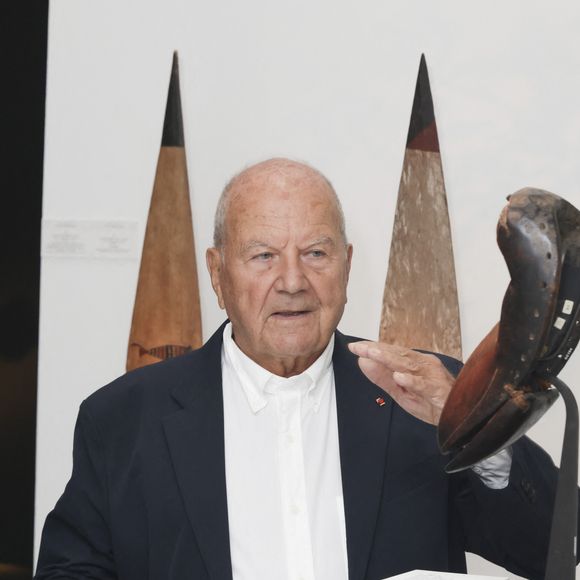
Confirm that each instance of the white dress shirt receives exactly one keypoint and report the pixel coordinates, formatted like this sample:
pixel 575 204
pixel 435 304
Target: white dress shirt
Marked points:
pixel 284 486
pixel 283 480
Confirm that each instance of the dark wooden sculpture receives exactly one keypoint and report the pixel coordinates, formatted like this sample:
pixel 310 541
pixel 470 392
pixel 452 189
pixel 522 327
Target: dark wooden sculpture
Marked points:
pixel 420 305
pixel 505 386
pixel 166 316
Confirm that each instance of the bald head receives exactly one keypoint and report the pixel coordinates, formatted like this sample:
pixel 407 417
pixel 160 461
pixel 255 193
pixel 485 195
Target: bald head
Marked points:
pixel 272 174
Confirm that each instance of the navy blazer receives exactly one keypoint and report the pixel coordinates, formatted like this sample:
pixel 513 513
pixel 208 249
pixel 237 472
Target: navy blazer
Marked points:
pixel 147 495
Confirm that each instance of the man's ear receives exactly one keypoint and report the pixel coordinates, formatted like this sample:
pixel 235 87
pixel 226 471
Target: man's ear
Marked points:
pixel 348 259
pixel 213 258
pixel 348 263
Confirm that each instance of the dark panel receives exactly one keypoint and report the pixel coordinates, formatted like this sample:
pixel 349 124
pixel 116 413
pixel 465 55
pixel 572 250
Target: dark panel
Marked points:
pixel 23 37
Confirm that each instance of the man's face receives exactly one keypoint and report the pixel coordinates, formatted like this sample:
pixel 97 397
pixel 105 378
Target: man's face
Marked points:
pixel 282 272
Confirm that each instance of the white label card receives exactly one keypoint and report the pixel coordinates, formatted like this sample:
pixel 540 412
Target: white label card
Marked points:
pixel 89 239
pixel 559 323
pixel 428 575
pixel 568 307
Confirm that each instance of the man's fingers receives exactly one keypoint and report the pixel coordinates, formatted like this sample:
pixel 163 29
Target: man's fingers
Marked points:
pixel 395 358
pixel 383 377
pixel 396 383
pixel 404 380
pixel 360 348
pixel 377 372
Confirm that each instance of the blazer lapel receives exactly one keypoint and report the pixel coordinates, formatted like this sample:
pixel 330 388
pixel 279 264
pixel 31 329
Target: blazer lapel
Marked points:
pixel 195 435
pixel 363 431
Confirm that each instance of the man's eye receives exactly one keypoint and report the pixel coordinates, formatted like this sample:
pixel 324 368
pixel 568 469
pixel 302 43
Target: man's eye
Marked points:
pixel 263 256
pixel 317 253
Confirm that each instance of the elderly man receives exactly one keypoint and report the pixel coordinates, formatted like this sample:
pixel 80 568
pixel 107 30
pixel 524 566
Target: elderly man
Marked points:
pixel 268 454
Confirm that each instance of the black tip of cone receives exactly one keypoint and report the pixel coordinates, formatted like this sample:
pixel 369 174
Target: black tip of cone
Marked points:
pixel 422 115
pixel 173 124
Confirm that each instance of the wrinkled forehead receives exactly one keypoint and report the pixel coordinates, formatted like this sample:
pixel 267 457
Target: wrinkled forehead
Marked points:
pixel 282 193
pixel 279 176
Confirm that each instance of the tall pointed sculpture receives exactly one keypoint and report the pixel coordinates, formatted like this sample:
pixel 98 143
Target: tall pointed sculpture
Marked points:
pixel 420 306
pixel 166 316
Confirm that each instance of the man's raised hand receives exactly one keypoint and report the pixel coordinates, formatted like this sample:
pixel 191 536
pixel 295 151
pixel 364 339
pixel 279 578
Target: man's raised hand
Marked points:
pixel 418 382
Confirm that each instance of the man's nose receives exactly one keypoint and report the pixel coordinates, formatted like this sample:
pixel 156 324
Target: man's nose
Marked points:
pixel 291 275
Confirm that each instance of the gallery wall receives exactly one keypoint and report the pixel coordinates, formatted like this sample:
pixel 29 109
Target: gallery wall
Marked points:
pixel 329 82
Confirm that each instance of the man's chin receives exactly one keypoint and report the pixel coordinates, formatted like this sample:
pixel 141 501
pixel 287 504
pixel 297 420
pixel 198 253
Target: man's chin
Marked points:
pixel 303 347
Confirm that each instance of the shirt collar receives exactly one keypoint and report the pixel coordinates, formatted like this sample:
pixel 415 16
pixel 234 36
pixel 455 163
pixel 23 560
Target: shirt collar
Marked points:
pixel 257 382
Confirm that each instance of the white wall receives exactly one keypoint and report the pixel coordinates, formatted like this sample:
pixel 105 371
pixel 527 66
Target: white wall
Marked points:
pixel 330 82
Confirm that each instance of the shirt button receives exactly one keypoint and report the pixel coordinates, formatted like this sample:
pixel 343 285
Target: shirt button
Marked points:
pixel 290 439
pixel 294 509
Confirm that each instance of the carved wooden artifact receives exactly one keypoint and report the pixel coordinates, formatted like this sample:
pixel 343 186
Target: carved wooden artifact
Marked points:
pixel 420 305
pixel 166 316
pixel 504 387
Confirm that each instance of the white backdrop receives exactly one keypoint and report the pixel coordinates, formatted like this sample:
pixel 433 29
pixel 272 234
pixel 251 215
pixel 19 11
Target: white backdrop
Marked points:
pixel 330 82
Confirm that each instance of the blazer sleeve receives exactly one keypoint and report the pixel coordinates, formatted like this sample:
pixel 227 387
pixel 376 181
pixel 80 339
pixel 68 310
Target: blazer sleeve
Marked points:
pixel 511 526
pixel 76 540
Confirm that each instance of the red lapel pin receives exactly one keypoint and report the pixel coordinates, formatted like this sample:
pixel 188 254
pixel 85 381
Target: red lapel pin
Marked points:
pixel 380 401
